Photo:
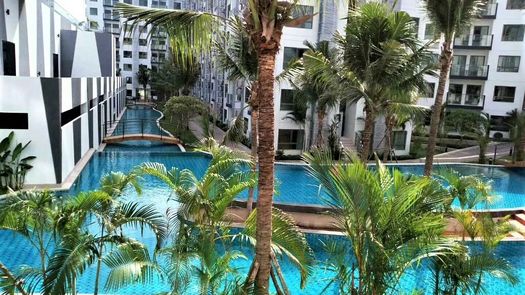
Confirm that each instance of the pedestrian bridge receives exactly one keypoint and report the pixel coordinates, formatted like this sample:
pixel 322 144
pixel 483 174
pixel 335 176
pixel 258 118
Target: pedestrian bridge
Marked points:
pixel 142 136
pixel 136 129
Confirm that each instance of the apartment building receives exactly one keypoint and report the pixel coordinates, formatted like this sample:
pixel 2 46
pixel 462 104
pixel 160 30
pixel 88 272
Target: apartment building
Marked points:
pixel 486 76
pixel 58 87
pixel 133 48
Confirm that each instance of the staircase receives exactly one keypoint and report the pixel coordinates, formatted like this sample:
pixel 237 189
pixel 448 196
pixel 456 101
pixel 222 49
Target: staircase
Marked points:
pixel 348 143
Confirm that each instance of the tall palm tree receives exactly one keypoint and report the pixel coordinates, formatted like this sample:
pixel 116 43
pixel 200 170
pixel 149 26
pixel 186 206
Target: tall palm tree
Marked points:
pixel 391 220
pixel 192 32
pixel 173 79
pixel 144 77
pixel 382 60
pixel 449 18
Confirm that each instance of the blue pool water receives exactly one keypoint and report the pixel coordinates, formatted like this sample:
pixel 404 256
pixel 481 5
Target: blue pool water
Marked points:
pixel 295 186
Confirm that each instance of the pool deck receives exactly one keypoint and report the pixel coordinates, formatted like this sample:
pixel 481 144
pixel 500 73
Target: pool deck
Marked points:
pixel 320 223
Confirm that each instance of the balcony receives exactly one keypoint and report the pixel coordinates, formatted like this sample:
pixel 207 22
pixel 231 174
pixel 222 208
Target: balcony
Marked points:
pixel 473 72
pixel 471 101
pixel 473 42
pixel 110 2
pixel 490 10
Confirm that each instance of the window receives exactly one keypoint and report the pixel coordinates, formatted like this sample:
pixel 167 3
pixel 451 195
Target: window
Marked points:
pixel 499 123
pixel 143 2
pixel 430 89
pixel 177 5
pixel 508 63
pixel 128 2
pixel 400 140
pixel 290 139
pixel 143 42
pixel 127 54
pixel 515 4
pixel 93 11
pixel 473 95
pixel 513 32
pixel 8 57
pixel 302 10
pixel 128 41
pixel 430 32
pixel 14 121
pixel 454 93
pixel 129 80
pixel 161 56
pixel 129 92
pixel 127 67
pixel 143 55
pixel 291 53
pixel 504 93
pixel 416 24
pixel 287 103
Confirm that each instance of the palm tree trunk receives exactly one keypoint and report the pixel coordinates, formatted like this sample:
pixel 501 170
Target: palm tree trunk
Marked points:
pixel 367 134
pixel 255 139
pixel 445 61
pixel 389 123
pixel 266 154
pixel 12 277
pixel 320 122
pixel 311 127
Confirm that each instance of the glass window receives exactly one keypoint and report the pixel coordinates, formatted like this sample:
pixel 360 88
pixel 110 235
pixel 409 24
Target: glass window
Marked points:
pixel 504 93
pixel 499 123
pixel 291 53
pixel 473 95
pixel 143 42
pixel 302 10
pixel 129 92
pixel 127 67
pixel 430 32
pixel 143 2
pixel 93 11
pixel 287 103
pixel 143 55
pixel 177 5
pixel 129 80
pixel 515 4
pixel 513 32
pixel 416 24
pixel 508 63
pixel 400 139
pixel 127 54
pixel 128 41
pixel 429 90
pixel 290 139
pixel 454 93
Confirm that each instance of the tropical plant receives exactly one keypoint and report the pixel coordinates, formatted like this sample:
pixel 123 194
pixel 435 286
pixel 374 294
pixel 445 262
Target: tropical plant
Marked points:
pixel 107 242
pixel 382 63
pixel 173 79
pixel 193 32
pixel 392 221
pixel 10 283
pixel 13 168
pixel 144 78
pixel 517 134
pixel 449 17
pixel 202 222
pixel 30 215
pixel 181 109
pixel 472 124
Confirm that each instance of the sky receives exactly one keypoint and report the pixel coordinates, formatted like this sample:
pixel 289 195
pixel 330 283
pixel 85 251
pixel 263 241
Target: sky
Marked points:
pixel 76 7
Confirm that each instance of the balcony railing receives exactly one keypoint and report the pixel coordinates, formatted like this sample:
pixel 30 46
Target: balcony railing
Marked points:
pixel 469 72
pixel 466 100
pixel 473 41
pixel 490 10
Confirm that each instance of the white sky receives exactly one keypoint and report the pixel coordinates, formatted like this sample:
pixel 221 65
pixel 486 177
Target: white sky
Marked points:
pixel 76 7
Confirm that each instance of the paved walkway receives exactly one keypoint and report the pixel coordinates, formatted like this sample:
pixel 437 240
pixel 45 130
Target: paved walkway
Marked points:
pixel 196 128
pixel 469 154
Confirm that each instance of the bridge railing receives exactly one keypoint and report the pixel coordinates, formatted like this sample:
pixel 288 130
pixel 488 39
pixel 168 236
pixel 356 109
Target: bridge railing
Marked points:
pixel 132 126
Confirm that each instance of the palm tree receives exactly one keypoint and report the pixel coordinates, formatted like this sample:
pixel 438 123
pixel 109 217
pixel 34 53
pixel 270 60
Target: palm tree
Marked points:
pixel 174 79
pixel 10 283
pixel 449 18
pixel 391 220
pixel 144 77
pixel 239 58
pixel 31 215
pixel 201 220
pixel 517 134
pixel 128 259
pixel 191 32
pixel 382 61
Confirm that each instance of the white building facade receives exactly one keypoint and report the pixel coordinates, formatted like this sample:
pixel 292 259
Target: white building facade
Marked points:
pixel 58 87
pixel 133 48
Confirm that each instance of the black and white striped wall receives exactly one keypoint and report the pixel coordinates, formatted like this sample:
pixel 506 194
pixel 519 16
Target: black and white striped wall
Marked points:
pixel 57 86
